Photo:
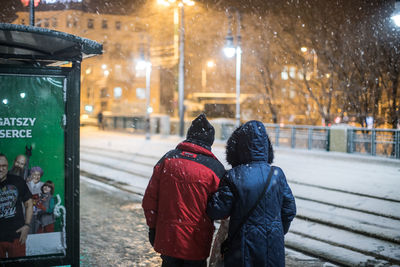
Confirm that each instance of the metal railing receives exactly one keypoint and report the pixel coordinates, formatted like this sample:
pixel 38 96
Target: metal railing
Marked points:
pixel 298 136
pixel 375 142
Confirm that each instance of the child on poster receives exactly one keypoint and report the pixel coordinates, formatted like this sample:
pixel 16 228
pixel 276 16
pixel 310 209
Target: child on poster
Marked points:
pixel 45 207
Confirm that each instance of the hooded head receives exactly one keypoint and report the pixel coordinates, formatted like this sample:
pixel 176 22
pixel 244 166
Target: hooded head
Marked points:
pixel 201 132
pixel 249 142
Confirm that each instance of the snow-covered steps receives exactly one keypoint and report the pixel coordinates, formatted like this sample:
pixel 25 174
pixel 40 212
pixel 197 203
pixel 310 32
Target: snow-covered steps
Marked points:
pixel 333 253
pixel 121 155
pixel 355 221
pixel 372 205
pixel 369 246
pixel 129 166
pixel 118 178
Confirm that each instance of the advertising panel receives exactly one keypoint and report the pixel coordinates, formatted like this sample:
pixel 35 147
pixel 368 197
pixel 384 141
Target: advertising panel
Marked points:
pixel 32 144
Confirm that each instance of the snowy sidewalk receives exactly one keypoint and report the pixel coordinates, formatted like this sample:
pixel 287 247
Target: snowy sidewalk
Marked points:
pixel 348 205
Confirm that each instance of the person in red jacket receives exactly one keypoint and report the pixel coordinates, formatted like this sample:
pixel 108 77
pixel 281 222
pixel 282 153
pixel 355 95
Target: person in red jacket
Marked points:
pixel 175 199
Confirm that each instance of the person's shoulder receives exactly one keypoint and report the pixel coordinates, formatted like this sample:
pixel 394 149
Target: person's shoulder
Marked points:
pixel 277 170
pixel 169 154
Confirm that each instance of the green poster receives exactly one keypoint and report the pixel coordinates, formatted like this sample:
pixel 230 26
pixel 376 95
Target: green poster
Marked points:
pixel 32 122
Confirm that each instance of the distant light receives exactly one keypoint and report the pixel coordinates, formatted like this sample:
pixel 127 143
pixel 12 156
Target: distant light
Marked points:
pixel 104 66
pixel 88 108
pixel 303 49
pixel 229 52
pixel 89 70
pixel 188 2
pixel 5 101
pixel 163 2
pixel 229 49
pixel 22 95
pixel 117 92
pixel 337 120
pixel 210 63
pixel 396 20
pixel 141 64
pixel 149 110
pixel 106 73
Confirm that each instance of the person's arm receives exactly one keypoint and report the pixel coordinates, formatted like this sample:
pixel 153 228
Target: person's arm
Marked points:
pixel 24 230
pixel 150 198
pixel 220 203
pixel 288 210
pixel 150 202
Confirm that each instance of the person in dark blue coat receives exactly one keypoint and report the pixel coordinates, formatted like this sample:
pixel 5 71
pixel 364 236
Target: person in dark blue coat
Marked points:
pixel 260 241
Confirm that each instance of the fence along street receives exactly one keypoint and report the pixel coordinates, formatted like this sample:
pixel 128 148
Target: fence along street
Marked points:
pixel 348 227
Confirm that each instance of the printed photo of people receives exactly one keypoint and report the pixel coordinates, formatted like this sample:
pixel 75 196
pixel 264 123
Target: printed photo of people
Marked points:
pixel 32 167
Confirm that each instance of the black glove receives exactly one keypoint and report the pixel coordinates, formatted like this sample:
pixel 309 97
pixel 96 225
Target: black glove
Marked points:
pixel 152 235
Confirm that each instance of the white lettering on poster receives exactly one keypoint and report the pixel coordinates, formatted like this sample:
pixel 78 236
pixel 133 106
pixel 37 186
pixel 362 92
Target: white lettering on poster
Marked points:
pixel 16 122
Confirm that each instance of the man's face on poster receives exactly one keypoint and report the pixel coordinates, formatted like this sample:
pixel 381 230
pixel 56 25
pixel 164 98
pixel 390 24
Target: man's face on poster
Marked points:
pixel 3 167
pixel 19 164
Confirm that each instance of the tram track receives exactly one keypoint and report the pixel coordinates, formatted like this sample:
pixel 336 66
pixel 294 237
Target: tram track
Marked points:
pixel 372 219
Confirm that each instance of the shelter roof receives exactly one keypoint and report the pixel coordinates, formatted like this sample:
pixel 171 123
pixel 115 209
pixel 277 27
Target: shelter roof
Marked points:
pixel 29 44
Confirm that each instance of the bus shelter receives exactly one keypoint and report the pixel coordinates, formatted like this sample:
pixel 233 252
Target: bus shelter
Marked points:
pixel 39 119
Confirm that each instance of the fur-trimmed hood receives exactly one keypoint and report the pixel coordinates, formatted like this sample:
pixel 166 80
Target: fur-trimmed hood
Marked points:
pixel 249 142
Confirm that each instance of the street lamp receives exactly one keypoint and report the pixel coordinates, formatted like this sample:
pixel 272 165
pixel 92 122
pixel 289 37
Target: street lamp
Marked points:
pixel 230 51
pixel 396 14
pixel 181 74
pixel 143 64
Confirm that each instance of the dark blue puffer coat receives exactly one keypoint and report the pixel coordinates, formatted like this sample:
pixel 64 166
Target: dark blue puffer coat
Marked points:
pixel 260 241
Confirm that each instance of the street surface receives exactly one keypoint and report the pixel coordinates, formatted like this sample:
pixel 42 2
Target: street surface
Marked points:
pixel 114 230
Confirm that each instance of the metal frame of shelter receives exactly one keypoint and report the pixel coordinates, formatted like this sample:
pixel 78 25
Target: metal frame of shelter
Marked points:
pixel 33 51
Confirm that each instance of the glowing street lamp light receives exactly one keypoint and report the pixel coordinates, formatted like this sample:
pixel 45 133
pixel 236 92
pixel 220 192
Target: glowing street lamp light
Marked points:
pixel 230 51
pixel 181 72
pixel 396 14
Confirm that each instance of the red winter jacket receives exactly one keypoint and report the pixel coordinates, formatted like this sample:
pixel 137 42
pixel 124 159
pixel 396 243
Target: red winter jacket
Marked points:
pixel 175 201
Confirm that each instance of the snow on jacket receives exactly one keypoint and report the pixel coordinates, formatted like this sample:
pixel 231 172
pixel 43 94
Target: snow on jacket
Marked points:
pixel 175 201
pixel 260 241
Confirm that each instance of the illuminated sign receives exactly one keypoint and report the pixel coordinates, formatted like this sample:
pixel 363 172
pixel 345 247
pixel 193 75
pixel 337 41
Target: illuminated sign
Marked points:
pixel 60 1
pixel 26 2
pixel 36 2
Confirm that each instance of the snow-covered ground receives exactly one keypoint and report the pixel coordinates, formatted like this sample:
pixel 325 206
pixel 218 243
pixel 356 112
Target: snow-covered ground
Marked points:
pixel 348 205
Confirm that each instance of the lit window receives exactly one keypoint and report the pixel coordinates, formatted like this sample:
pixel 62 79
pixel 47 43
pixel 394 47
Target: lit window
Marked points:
pixel 284 74
pixel 117 92
pixel 300 75
pixel 292 72
pixel 140 93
